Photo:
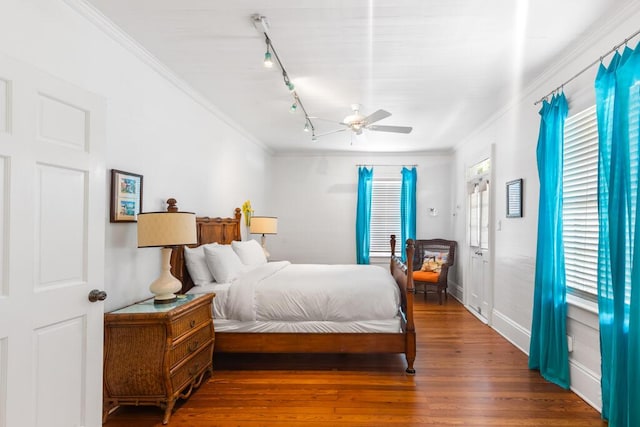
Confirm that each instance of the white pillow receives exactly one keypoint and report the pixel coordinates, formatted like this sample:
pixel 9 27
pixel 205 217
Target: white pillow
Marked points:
pixel 223 263
pixel 250 252
pixel 197 264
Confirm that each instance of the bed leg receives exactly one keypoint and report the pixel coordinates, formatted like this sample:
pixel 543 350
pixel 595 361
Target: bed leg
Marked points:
pixel 410 360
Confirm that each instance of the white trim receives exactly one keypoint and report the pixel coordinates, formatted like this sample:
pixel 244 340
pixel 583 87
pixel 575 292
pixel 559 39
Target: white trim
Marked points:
pixel 480 317
pixel 511 331
pixel 586 384
pixel 93 15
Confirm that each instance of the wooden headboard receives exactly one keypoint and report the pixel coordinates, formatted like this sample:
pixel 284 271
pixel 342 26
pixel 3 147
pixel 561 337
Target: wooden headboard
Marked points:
pixel 209 230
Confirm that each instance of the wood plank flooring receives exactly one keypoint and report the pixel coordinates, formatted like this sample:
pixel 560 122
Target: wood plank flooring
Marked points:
pixel 467 374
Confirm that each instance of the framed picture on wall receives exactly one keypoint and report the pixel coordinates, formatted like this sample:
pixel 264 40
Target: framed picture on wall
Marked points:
pixel 514 198
pixel 126 196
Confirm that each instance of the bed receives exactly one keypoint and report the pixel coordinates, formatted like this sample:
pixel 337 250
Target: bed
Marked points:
pixel 400 339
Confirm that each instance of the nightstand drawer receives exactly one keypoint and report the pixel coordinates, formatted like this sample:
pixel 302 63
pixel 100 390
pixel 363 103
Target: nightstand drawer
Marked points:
pixel 192 343
pixel 190 320
pixel 191 368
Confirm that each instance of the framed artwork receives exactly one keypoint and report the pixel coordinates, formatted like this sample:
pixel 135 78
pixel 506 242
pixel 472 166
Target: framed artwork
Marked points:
pixel 126 196
pixel 514 198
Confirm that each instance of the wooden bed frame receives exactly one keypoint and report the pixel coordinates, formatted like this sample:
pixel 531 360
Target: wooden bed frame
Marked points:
pixel 225 230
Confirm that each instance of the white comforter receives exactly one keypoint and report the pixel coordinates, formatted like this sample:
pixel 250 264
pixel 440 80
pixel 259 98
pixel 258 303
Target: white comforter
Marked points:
pixel 281 291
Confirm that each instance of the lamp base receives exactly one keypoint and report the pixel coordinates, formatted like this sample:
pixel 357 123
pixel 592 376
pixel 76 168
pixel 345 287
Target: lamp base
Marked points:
pixel 158 300
pixel 264 246
pixel 165 286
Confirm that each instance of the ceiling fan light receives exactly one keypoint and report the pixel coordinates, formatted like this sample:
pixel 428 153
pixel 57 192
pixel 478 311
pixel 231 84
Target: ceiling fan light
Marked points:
pixel 268 63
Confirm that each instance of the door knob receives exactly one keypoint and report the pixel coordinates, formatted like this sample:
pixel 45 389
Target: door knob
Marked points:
pixel 96 295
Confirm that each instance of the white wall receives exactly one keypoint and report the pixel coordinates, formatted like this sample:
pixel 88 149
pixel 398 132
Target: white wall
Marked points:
pixel 181 146
pixel 514 131
pixel 314 197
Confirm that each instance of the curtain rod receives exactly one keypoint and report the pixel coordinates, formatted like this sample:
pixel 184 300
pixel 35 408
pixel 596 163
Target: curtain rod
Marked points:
pixel 599 60
pixel 369 164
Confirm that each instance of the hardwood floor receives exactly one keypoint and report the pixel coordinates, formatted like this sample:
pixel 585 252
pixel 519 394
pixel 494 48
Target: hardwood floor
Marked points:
pixel 467 374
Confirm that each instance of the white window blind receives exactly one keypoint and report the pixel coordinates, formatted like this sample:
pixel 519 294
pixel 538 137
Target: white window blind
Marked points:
pixel 484 217
pixel 580 201
pixel 385 214
pixel 474 217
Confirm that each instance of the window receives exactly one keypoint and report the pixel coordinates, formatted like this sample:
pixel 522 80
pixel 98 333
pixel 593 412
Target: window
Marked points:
pixel 580 203
pixel 479 215
pixel 385 213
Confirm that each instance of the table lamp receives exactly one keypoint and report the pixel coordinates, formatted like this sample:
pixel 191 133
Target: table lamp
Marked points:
pixel 264 225
pixel 166 230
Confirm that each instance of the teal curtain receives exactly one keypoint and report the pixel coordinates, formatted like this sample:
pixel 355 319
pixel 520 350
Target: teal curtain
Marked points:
pixel 617 104
pixel 363 214
pixel 548 349
pixel 408 207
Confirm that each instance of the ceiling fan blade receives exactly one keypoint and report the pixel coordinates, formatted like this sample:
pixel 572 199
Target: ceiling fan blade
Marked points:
pixel 398 129
pixel 378 115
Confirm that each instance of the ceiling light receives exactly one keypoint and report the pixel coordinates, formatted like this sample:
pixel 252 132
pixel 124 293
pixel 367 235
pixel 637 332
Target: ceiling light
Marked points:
pixel 290 86
pixel 306 127
pixel 268 63
pixel 293 107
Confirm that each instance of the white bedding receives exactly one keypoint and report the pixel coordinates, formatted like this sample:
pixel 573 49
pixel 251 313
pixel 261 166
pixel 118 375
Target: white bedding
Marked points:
pixel 285 297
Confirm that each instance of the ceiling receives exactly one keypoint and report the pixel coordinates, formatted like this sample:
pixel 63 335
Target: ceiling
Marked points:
pixel 440 66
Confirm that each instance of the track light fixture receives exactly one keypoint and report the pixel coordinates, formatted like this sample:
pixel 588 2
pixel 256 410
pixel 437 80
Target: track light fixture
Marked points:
pixel 260 22
pixel 268 63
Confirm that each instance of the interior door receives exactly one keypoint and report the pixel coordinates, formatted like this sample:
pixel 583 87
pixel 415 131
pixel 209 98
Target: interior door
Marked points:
pixel 52 217
pixel 479 250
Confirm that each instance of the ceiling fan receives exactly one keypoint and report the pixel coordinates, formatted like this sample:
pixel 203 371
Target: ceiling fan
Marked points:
pixel 356 122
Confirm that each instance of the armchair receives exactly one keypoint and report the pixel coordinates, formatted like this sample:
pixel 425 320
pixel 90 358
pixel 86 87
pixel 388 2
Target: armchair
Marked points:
pixel 431 261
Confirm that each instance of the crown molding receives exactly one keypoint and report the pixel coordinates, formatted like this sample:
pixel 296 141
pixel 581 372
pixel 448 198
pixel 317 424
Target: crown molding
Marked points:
pixel 108 27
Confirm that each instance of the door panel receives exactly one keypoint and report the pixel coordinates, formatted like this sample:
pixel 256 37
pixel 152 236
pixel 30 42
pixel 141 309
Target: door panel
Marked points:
pixel 59 366
pixel 52 184
pixel 479 281
pixel 60 189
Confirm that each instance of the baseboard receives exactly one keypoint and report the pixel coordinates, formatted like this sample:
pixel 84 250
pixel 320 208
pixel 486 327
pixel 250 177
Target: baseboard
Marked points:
pixel 584 382
pixel 511 331
pixel 455 290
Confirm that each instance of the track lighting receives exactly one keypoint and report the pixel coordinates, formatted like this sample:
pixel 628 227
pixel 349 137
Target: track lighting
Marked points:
pixel 268 63
pixel 260 23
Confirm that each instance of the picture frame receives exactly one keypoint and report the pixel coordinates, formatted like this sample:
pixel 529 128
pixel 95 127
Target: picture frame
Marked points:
pixel 126 196
pixel 514 198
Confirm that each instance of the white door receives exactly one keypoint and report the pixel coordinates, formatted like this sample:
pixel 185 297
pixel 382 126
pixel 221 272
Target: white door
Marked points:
pixel 479 251
pixel 52 218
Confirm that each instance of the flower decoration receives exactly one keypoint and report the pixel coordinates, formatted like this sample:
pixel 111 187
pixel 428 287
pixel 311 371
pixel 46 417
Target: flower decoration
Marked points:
pixel 247 212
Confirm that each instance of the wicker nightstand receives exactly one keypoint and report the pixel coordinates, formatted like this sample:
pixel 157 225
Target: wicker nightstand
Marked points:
pixel 154 354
